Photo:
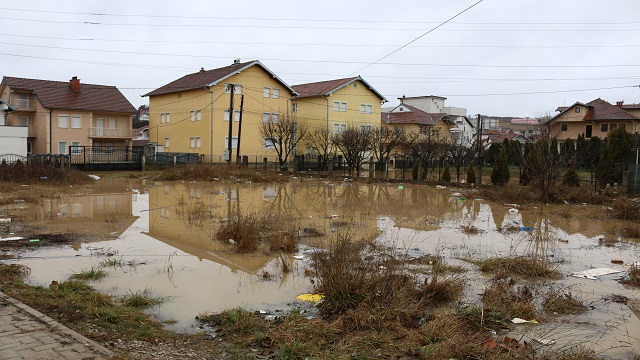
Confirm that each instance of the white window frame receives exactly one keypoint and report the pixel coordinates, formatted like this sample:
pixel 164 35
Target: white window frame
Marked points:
pixel 237 89
pixel 193 115
pixel 63 121
pixel 225 117
pixel 192 142
pixel 269 143
pixel 343 128
pixel 63 145
pixel 265 117
pixel 343 106
pixel 234 142
pixel 275 118
pixel 336 106
pixel 236 115
pixel 266 91
pixel 76 143
pixel 275 93
pixel 198 115
pixel 24 117
pixel 168 117
pixel 198 143
pixel 78 119
pixel 294 107
pixel 112 121
pixel 336 129
pixel 167 142
pixel 162 118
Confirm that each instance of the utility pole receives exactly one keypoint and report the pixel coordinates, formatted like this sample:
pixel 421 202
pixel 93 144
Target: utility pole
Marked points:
pixel 231 88
pixel 240 126
pixel 479 159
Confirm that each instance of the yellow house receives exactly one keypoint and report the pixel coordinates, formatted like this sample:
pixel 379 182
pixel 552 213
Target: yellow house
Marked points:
pixel 191 114
pixel 59 114
pixel 411 120
pixel 334 105
pixel 595 118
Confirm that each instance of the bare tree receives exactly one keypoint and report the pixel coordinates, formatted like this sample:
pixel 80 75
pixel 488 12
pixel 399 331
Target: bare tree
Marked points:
pixel 383 141
pixel 283 136
pixel 320 140
pixel 543 166
pixel 427 145
pixel 353 144
pixel 461 151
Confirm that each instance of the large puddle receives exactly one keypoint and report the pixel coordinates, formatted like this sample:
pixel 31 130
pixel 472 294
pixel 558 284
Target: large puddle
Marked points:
pixel 146 227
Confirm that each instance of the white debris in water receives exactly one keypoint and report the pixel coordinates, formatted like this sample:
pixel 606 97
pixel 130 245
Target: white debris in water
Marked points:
pixel 94 177
pixel 592 273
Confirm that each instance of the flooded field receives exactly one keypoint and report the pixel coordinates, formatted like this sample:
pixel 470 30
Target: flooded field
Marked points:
pixel 161 237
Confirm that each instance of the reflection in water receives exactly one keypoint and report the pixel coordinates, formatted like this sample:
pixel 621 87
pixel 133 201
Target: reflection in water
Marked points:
pixel 178 222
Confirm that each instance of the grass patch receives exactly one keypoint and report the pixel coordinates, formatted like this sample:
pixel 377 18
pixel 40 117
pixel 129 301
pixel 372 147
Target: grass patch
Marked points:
pixel 562 303
pixel 630 231
pixel 626 209
pixel 141 299
pixel 242 230
pixel 633 276
pixel 13 272
pixel 89 274
pixel 21 173
pixel 206 172
pixel 283 241
pixel 193 212
pixel 501 296
pixel 470 229
pixel 523 266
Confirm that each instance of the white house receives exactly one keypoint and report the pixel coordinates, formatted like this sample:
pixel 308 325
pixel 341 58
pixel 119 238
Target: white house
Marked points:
pixel 13 139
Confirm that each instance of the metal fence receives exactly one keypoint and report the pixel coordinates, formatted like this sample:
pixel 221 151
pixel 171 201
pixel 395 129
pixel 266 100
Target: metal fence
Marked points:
pixel 12 158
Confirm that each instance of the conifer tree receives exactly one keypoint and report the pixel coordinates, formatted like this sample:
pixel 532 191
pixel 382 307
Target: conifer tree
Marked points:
pixel 500 174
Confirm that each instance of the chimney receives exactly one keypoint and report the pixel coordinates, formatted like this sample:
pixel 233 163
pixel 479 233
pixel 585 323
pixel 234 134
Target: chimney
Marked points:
pixel 236 61
pixel 74 83
pixel 619 104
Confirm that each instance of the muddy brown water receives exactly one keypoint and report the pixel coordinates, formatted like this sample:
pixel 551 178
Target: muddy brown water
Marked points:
pixel 158 236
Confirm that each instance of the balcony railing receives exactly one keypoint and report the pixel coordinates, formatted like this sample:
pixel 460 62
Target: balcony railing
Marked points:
pixel 110 133
pixel 23 104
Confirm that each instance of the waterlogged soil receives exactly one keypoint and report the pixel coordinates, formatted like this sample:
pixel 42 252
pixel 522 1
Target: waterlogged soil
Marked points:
pixel 161 237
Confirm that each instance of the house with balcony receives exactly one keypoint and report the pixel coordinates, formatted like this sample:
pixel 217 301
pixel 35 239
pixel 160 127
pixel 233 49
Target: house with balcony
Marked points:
pixel 194 114
pixel 595 118
pixel 13 139
pixel 413 121
pixel 335 105
pixel 62 114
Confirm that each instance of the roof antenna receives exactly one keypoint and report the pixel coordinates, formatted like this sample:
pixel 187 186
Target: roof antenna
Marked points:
pixel 201 69
pixel 236 61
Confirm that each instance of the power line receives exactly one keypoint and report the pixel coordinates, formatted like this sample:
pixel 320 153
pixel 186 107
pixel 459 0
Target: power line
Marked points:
pixel 418 38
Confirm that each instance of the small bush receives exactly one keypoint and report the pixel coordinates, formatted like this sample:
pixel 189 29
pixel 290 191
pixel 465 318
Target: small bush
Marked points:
pixel 13 272
pixel 471 175
pixel 500 174
pixel 446 175
pixel 141 299
pixel 500 296
pixel 570 178
pixel 626 209
pixel 41 174
pixel 563 303
pixel 242 231
pixel 525 266
pixel 633 276
pixel 283 241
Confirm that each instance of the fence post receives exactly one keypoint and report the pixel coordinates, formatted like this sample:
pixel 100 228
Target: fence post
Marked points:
pixel 264 163
pixel 29 159
pixel 329 166
pixel 175 160
pixel 371 168
pixel 143 161
pixel 245 160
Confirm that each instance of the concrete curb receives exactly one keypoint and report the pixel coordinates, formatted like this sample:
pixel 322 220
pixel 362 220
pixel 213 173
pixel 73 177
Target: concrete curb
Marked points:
pixel 92 345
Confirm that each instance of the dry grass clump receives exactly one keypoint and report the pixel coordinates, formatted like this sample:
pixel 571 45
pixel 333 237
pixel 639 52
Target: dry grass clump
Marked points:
pixel 242 231
pixel 579 195
pixel 470 229
pixel 633 275
pixel 440 290
pixel 525 266
pixel 206 172
pixel 283 241
pixel 21 173
pixel 193 212
pixel 13 272
pixel 626 209
pixel 563 303
pixel 630 231
pixel 501 296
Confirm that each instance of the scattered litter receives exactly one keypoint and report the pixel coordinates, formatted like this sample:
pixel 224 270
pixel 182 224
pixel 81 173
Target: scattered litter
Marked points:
pixel 314 251
pixel 263 312
pixel 93 248
pixel 618 262
pixel 5 220
pixel 563 241
pixel 513 211
pixel 335 216
pixel 298 257
pixel 619 299
pixel 94 177
pixel 440 187
pixel 524 228
pixel 456 194
pixel 592 273
pixel 270 317
pixel 19 201
pixel 544 341
pixel 310 297
pixel 400 187
pixel 522 321
pixel 34 240
pixel 232 242
pixel 114 233
pixel 462 198
pixel 12 238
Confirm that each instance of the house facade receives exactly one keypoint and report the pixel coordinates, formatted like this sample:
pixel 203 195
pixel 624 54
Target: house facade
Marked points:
pixel 411 120
pixel 58 115
pixel 191 114
pixel 595 118
pixel 336 105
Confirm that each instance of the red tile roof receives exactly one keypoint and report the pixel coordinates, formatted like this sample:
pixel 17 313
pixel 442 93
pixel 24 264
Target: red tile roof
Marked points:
pixel 324 88
pixel 413 116
pixel 603 110
pixel 630 106
pixel 207 78
pixel 59 95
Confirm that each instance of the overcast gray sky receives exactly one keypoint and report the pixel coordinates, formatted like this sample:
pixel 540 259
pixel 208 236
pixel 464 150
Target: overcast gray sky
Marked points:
pixel 499 57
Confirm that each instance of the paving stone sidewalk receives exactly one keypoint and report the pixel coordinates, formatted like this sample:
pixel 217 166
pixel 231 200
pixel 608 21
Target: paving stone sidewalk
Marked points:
pixel 26 333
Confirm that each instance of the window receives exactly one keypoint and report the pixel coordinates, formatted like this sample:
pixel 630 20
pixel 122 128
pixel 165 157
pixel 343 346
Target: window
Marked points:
pixel 604 127
pixel 336 106
pixel 236 115
pixel 234 142
pixel 294 107
pixel 274 118
pixel 62 147
pixel 343 107
pixel 587 131
pixel 168 117
pixel 577 110
pixel 198 142
pixel 111 123
pixel 366 109
pixel 336 129
pixel 192 142
pixel 24 120
pixel 63 122
pixel 166 142
pixel 265 92
pixel 193 116
pixel 563 127
pixel 269 143
pixel 76 121
pixel 226 115
pixel 237 89
pixel 24 100
pixel 29 148
pixel 613 127
pixel 343 128
pixel 198 115
pixel 75 147
pixel 276 93
pixel 266 117
pixel 162 117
